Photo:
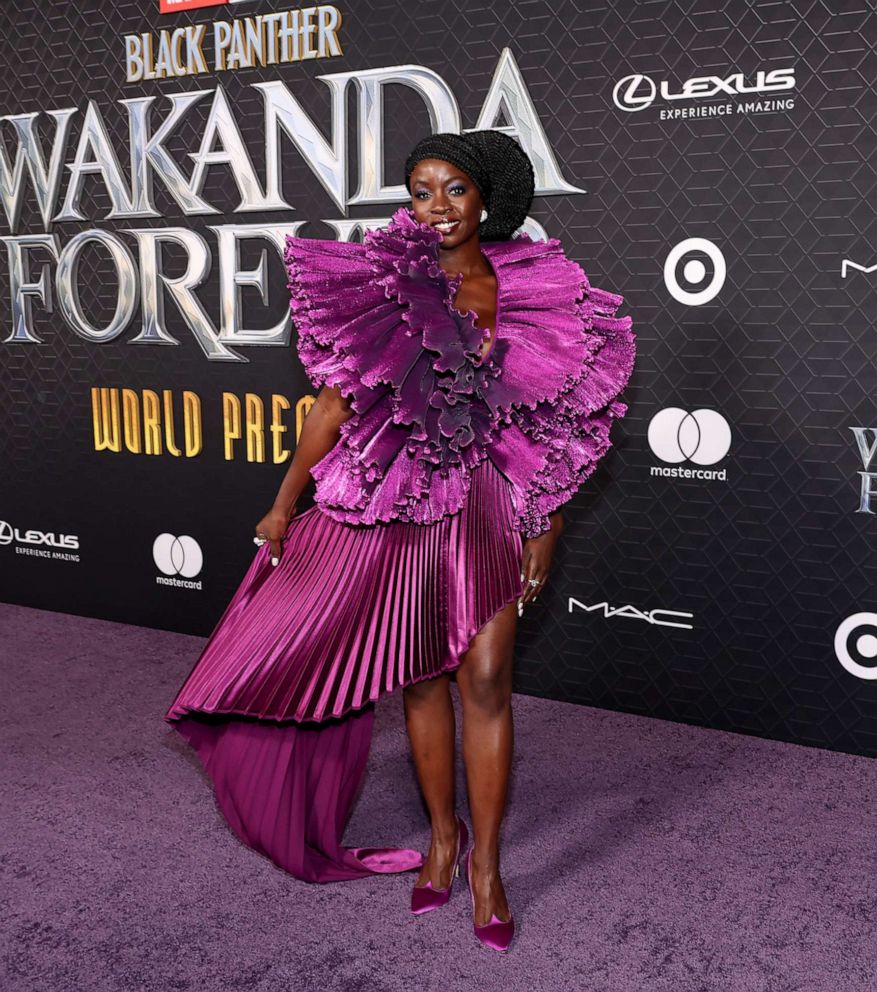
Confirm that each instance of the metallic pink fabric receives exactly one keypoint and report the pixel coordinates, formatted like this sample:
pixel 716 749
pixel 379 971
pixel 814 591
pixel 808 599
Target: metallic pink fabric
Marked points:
pixel 351 612
pixel 378 321
pixel 287 791
pixel 415 540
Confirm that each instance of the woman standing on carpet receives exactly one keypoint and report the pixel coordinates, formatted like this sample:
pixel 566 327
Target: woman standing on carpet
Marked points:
pixel 467 383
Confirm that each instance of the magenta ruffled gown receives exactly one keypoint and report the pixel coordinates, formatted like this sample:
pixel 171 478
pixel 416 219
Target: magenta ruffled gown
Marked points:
pixel 415 540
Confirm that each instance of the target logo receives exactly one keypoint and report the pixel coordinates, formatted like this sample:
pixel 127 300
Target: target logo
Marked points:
pixel 701 436
pixel 177 555
pixel 695 271
pixel 855 644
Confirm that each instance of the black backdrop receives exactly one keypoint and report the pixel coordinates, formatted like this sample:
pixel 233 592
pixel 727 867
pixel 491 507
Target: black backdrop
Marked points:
pixel 744 601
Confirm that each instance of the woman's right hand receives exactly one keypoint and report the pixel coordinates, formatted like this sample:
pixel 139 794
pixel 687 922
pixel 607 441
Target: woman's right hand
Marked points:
pixel 273 527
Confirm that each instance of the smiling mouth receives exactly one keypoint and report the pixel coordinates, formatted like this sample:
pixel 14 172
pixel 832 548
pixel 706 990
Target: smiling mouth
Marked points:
pixel 446 226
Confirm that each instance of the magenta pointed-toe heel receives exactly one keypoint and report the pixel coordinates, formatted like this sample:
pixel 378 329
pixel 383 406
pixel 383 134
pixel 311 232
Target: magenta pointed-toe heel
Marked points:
pixel 425 897
pixel 497 933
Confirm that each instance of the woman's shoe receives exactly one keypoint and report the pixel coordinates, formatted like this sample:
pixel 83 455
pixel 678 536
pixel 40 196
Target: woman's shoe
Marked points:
pixel 425 897
pixel 497 933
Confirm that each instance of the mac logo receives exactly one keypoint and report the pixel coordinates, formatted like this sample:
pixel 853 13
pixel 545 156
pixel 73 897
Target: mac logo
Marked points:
pixel 848 264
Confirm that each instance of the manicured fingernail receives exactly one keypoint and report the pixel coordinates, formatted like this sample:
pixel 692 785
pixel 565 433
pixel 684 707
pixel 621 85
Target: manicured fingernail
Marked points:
pixel 275 561
pixel 522 576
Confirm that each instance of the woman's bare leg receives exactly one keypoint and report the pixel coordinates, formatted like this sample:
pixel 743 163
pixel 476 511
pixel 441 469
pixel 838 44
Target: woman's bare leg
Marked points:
pixel 485 682
pixel 429 718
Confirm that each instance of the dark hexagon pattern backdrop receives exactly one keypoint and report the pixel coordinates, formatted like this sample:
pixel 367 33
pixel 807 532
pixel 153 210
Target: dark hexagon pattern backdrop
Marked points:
pixel 769 562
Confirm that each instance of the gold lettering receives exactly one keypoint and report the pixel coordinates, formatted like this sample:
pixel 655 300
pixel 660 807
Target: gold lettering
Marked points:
pixel 105 419
pixel 167 399
pixel 255 428
pixel 192 423
pixel 131 421
pixel 151 422
pixel 144 418
pixel 231 423
pixel 278 429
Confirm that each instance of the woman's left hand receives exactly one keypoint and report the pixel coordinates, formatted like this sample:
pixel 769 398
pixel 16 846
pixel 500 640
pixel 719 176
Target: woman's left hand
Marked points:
pixel 536 559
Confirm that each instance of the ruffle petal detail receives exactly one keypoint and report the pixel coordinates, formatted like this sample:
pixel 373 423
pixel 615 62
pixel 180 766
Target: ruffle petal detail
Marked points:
pixel 542 343
pixel 409 361
pixel 378 321
pixel 549 450
pixel 340 315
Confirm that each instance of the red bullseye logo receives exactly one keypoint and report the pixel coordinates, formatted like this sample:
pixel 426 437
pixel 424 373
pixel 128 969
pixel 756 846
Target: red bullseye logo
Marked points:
pixel 855 645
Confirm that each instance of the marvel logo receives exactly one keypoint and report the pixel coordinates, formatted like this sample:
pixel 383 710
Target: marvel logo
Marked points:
pixel 175 6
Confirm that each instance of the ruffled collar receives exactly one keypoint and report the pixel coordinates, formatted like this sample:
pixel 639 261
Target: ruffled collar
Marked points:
pixel 378 320
pixel 542 336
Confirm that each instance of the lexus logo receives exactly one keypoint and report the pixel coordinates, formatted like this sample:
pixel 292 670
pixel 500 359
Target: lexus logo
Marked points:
pixel 855 644
pixel 685 263
pixel 178 555
pixel 700 436
pixel 9 533
pixel 636 91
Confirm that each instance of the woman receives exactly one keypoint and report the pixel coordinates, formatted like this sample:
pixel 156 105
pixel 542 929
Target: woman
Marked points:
pixel 467 380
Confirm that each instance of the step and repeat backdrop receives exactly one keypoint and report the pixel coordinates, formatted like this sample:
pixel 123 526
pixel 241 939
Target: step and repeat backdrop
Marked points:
pixel 713 163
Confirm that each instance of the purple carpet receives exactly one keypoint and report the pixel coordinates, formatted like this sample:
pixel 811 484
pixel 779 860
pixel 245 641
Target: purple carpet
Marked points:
pixel 639 855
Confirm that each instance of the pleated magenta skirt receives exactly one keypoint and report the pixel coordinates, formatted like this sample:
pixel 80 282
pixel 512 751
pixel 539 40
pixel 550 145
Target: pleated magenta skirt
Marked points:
pixel 280 704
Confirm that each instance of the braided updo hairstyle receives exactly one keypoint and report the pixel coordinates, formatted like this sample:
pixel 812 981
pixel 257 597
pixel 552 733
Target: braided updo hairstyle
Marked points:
pixel 497 165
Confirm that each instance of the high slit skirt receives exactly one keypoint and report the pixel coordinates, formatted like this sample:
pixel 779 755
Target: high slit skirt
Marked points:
pixel 279 705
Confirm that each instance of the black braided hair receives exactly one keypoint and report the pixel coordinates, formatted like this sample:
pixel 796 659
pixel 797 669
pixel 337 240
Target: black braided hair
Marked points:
pixel 497 165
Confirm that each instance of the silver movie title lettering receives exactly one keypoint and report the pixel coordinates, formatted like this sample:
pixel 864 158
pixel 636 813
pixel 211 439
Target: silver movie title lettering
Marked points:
pixel 138 274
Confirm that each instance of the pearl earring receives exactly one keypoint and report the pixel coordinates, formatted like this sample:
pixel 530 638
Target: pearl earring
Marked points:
pixel 483 216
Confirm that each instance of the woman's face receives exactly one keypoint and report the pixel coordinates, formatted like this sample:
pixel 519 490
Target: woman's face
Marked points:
pixel 444 197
